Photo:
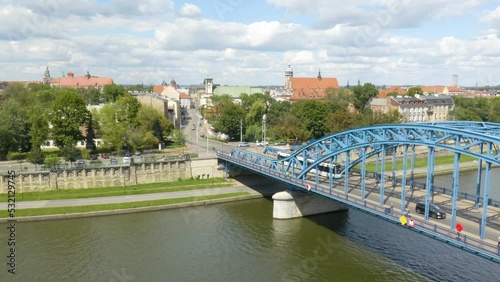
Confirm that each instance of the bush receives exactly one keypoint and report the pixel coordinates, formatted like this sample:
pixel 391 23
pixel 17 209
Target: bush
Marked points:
pixel 51 161
pixel 16 156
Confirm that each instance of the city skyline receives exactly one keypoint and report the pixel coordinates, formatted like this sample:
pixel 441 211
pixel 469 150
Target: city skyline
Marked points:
pixel 239 43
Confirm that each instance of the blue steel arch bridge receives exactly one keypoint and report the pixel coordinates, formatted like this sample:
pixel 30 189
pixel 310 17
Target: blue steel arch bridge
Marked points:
pixel 329 166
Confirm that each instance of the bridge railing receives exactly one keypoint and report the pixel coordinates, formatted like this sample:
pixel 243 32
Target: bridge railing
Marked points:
pixel 447 235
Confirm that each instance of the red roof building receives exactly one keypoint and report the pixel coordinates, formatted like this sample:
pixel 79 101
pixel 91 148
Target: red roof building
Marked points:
pixel 84 81
pixel 310 88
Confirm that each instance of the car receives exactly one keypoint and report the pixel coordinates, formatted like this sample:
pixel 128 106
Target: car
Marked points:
pixel 128 154
pixel 81 164
pixel 262 144
pixel 138 153
pixel 128 160
pixel 244 144
pixel 281 143
pixel 94 157
pixel 113 161
pixel 105 155
pixel 434 210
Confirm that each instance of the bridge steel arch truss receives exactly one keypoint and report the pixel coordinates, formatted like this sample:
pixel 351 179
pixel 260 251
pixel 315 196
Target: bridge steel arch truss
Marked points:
pixel 353 147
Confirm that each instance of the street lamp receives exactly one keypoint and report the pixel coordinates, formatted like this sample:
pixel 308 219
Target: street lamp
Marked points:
pixel 264 118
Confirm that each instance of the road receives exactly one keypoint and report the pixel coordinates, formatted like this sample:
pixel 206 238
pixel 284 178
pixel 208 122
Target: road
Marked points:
pixel 127 198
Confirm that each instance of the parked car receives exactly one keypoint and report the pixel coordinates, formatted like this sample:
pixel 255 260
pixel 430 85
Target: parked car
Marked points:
pixel 94 157
pixel 244 144
pixel 434 210
pixel 281 143
pixel 127 160
pixel 262 144
pixel 128 154
pixel 113 161
pixel 81 164
pixel 105 155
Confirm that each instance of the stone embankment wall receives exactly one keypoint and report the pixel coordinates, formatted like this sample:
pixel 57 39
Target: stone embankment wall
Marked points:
pixel 124 175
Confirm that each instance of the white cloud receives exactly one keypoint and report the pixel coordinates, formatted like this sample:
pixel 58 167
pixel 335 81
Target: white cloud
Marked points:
pixel 190 11
pixel 151 41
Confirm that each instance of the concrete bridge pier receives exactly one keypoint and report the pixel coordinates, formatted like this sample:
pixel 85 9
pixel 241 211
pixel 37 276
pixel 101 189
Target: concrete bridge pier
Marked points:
pixel 292 204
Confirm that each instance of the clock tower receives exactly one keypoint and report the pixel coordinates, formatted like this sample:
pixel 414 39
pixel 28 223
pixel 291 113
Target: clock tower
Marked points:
pixel 288 79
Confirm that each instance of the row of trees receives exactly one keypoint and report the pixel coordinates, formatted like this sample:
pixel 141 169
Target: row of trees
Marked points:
pixel 31 115
pixel 302 120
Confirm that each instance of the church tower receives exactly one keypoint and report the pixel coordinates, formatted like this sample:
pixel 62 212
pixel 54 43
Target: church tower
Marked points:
pixel 288 79
pixel 46 76
pixel 209 86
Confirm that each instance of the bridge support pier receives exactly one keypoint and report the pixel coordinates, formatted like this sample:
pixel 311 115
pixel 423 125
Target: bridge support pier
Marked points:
pixel 292 204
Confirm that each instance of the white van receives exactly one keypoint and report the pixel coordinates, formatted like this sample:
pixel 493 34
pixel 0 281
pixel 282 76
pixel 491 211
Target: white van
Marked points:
pixel 126 160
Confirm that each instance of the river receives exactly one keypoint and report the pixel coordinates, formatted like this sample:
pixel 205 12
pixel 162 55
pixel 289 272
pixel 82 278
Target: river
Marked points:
pixel 236 241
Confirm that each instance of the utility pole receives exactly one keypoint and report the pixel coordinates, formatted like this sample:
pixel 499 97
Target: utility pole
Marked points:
pixel 241 130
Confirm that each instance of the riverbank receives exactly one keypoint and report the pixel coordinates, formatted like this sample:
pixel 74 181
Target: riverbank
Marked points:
pixel 243 189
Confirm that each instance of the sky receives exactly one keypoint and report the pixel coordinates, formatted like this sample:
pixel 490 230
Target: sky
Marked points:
pixel 236 42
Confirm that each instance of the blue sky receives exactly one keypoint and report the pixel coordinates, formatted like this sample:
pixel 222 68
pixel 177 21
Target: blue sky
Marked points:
pixel 386 42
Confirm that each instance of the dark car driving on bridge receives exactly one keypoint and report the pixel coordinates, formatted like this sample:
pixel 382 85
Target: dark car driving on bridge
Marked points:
pixel 434 210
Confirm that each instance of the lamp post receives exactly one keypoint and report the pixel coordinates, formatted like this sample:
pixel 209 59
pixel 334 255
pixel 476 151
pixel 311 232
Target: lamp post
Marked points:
pixel 264 118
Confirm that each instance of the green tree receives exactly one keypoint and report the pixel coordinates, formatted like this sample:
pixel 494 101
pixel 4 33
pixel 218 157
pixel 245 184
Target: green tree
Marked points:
pixel 338 99
pixel 290 126
pixel 113 132
pixel 127 109
pixel 111 92
pixel 67 114
pixel 363 94
pixel 225 115
pixel 91 95
pixel 414 91
pixel 179 137
pixel 342 120
pixel 14 128
pixel 150 120
pixel 51 161
pixel 277 110
pixel 313 114
pixel 36 156
pixel 90 136
pixel 70 153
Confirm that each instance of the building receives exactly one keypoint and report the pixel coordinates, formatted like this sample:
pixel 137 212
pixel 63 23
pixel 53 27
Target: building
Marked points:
pixel 168 107
pixel 432 108
pixel 382 93
pixel 82 81
pixel 308 88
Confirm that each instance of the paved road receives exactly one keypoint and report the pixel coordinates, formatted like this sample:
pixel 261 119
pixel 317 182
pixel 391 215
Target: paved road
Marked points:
pixel 127 198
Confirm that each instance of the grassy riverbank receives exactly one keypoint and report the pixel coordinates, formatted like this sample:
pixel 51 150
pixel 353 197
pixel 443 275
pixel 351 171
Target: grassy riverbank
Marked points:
pixel 419 162
pixel 181 185
pixel 119 206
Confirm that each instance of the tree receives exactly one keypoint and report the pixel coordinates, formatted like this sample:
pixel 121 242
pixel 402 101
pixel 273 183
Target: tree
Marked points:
pixel 150 120
pixel 14 128
pixel 228 121
pixel 414 91
pixel 179 137
pixel 342 120
pixel 90 136
pixel 70 153
pixel 290 126
pixel 338 99
pixel 127 109
pixel 111 92
pixel 363 94
pixel 313 114
pixel 91 95
pixel 113 132
pixel 36 156
pixel 66 115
